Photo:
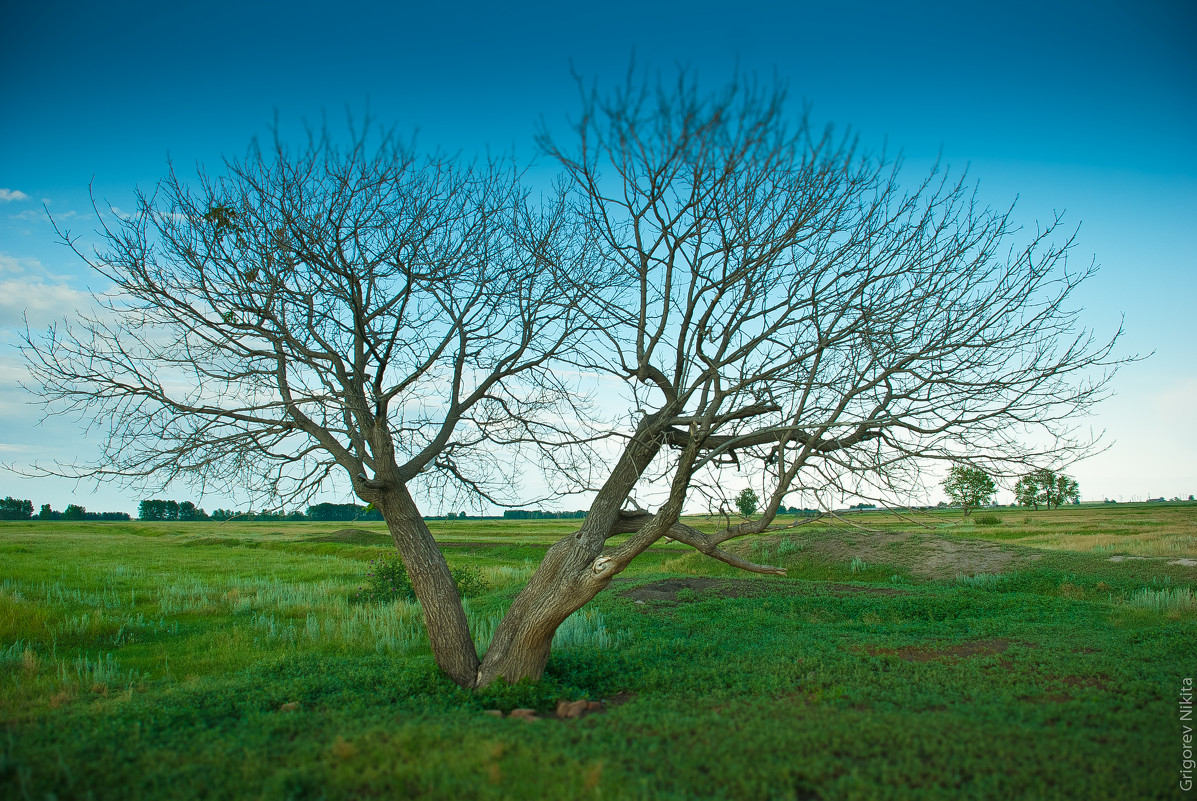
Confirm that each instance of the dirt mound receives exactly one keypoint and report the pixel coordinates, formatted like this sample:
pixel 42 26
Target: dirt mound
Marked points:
pixel 669 589
pixel 926 555
pixel 354 536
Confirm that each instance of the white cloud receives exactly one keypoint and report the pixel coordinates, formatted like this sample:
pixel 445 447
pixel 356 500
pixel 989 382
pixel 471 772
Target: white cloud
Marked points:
pixel 15 265
pixel 40 215
pixel 38 301
pixel 12 194
pixel 28 290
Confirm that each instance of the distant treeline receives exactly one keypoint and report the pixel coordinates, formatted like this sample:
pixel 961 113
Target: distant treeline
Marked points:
pixel 526 514
pixel 22 509
pixel 156 509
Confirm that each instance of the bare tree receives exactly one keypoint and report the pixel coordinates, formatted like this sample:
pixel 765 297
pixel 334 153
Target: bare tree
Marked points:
pixel 776 298
pixel 356 309
pixel 769 294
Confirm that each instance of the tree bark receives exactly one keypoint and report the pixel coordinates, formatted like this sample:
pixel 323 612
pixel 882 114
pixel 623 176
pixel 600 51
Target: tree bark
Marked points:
pixel 563 583
pixel 571 573
pixel 444 616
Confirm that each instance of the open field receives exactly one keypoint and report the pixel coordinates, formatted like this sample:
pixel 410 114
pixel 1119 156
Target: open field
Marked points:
pixel 1013 655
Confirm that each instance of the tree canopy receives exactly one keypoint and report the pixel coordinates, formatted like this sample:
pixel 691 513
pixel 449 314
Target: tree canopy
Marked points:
pixel 969 487
pixel 1047 488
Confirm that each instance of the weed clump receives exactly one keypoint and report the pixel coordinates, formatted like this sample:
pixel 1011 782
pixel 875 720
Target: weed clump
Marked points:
pixel 1168 599
pixel 469 580
pixel 387 581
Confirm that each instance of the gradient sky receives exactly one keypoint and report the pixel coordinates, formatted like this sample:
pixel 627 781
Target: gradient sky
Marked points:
pixel 1084 108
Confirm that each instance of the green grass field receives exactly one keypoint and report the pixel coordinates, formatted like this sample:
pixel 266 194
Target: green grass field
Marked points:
pixel 1017 654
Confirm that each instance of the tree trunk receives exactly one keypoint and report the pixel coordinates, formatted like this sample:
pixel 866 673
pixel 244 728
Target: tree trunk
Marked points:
pixel 564 583
pixel 570 574
pixel 444 616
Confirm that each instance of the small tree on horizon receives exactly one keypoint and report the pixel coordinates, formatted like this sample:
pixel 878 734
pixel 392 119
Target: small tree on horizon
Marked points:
pixel 969 487
pixel 747 502
pixel 1046 487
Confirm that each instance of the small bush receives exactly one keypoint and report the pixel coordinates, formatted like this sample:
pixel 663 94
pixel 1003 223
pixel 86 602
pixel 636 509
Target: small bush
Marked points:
pixel 386 581
pixel 469 581
pixel 988 520
pixel 761 550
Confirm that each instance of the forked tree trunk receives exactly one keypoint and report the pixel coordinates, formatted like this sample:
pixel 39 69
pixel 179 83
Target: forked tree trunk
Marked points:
pixel 564 582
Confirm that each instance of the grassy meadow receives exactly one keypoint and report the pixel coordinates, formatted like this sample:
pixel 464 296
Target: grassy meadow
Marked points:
pixel 1012 654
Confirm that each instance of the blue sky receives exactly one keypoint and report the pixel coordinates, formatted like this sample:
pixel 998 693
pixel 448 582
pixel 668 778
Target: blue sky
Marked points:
pixel 1087 108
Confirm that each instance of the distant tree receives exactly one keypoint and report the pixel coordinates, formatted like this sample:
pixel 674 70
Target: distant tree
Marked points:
pixel 46 513
pixel 189 511
pixel 334 511
pixel 1061 489
pixel 747 502
pixel 74 512
pixel 14 509
pixel 1047 488
pixel 156 509
pixel 1026 492
pixel 969 487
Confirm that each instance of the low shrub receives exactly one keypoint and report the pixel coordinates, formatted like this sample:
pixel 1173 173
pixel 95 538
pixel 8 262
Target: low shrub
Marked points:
pixel 469 581
pixel 387 581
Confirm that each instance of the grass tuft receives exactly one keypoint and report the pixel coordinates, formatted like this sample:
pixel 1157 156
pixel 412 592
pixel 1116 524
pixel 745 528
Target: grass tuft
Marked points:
pixel 1166 600
pixel 585 628
pixel 986 581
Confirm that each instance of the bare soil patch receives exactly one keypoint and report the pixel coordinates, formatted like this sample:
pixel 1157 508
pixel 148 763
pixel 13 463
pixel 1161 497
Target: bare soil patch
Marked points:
pixel 668 589
pixel 1098 682
pixel 925 555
